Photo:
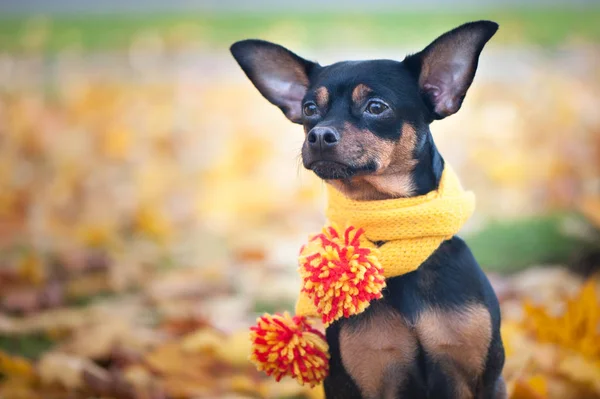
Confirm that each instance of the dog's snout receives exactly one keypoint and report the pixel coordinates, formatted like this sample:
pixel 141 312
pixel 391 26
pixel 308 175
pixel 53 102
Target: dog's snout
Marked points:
pixel 322 137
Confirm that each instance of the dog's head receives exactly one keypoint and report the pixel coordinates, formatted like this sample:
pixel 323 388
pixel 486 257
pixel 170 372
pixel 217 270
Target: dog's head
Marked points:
pixel 365 120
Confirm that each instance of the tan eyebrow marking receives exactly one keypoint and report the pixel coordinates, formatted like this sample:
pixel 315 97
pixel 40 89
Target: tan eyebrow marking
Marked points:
pixel 360 92
pixel 322 96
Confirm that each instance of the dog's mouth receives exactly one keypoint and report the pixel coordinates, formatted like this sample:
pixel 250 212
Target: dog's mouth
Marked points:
pixel 332 170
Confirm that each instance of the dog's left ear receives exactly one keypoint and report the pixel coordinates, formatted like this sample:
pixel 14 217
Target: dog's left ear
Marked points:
pixel 281 76
pixel 445 69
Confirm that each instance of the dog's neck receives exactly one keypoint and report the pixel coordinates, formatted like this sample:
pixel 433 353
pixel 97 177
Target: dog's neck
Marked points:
pixel 430 165
pixel 421 177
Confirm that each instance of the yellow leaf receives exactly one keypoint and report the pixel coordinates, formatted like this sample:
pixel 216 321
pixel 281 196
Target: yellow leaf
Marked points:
pixel 88 284
pixel 581 370
pixel 31 268
pixel 204 340
pixel 316 392
pixel 534 387
pixel 95 235
pixel 66 370
pixel 182 387
pixel 116 143
pixel 575 329
pixel 236 349
pixel 538 384
pixel 15 388
pixel 171 359
pixel 16 366
pixel 246 385
pixel 153 223
pixel 510 331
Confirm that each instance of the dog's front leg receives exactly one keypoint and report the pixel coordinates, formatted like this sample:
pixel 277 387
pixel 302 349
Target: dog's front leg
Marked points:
pixel 338 384
pixel 456 343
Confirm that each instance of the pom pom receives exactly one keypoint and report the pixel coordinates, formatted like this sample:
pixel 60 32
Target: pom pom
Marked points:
pixel 339 275
pixel 289 346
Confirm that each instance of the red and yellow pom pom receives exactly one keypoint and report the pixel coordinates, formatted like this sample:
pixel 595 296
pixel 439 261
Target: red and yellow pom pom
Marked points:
pixel 339 275
pixel 289 346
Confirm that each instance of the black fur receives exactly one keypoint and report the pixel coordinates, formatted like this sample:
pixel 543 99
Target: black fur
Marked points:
pixel 450 278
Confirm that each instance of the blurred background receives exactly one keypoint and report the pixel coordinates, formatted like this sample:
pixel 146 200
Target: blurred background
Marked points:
pixel 152 203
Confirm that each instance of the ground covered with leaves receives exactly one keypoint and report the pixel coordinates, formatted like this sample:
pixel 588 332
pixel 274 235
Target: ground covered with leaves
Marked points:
pixel 152 206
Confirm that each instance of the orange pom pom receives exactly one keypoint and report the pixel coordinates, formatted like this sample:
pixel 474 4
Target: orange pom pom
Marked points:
pixel 339 275
pixel 289 346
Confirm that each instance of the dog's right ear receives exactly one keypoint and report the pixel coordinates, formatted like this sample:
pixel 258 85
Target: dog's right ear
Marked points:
pixel 281 76
pixel 446 68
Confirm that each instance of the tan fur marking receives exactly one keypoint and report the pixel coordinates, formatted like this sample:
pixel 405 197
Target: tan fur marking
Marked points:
pixel 462 390
pixel 396 162
pixel 360 92
pixel 366 142
pixel 377 352
pixel 322 96
pixel 459 339
pixel 404 155
pixel 393 185
pixel 358 189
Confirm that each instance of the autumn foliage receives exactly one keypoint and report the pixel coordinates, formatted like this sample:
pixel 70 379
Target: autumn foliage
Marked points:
pixel 152 208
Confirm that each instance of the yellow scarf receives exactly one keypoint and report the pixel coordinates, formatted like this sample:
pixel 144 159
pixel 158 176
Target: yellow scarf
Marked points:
pixel 411 228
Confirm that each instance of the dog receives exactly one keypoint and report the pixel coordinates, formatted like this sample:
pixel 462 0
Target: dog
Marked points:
pixel 436 332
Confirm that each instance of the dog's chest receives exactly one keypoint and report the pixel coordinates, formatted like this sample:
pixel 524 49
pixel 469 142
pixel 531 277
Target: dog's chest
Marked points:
pixel 378 347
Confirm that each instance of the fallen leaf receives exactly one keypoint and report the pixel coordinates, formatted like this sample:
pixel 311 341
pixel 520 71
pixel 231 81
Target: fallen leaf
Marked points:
pixel 235 349
pixel 206 340
pixel 16 366
pixel 67 370
pixel 575 328
pixel 532 388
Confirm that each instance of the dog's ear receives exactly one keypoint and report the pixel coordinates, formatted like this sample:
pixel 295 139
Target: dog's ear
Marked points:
pixel 281 76
pixel 446 68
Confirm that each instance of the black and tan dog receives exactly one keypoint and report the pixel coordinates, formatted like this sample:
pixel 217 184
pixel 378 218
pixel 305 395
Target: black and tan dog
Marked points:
pixel 436 332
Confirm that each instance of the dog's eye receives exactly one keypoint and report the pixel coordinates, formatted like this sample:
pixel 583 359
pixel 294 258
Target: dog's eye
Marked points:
pixel 376 107
pixel 310 109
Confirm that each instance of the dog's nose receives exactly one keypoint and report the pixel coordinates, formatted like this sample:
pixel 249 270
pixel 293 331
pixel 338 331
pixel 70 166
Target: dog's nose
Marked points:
pixel 322 137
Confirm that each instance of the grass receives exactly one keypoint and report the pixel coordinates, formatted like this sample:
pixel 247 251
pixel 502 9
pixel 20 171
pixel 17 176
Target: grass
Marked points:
pixel 261 306
pixel 509 246
pixel 109 32
pixel 29 345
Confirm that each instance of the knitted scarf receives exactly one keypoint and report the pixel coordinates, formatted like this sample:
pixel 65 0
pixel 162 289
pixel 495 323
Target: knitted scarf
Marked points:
pixel 344 268
pixel 403 232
